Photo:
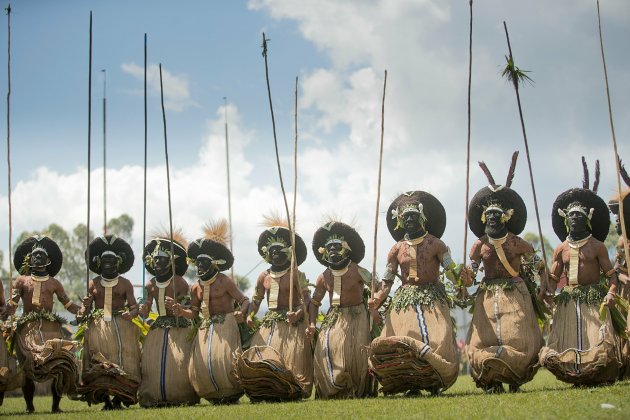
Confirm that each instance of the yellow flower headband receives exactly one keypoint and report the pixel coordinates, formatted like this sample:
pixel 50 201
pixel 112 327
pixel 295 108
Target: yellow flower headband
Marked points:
pixel 506 215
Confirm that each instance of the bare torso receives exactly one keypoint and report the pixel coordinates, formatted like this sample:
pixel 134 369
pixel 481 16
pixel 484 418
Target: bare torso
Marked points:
pixel 514 248
pixel 26 286
pixel 593 260
pixel 223 294
pixel 427 262
pixel 122 293
pixel 153 292
pixel 263 286
pixel 352 285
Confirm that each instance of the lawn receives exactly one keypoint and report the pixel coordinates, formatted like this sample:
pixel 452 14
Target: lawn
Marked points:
pixel 544 397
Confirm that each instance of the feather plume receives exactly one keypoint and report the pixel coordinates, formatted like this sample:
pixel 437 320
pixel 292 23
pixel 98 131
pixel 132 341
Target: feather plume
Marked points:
pixel 596 182
pixel 486 171
pixel 178 235
pixel 510 176
pixel 218 231
pixel 624 173
pixel 585 180
pixel 274 219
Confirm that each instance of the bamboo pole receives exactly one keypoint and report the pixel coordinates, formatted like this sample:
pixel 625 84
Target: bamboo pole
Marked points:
pixel 8 10
pixel 89 154
pixel 295 179
pixel 275 142
pixel 144 201
pixel 614 140
pixel 229 189
pixel 104 151
pixel 516 76
pixel 470 3
pixel 378 189
pixel 168 190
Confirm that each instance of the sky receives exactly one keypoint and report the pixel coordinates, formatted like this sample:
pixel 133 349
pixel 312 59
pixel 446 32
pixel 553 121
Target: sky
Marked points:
pixel 213 71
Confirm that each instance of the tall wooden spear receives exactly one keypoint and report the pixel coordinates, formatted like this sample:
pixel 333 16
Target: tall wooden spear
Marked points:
pixel 378 190
pixel 144 201
pixel 104 151
pixel 229 189
pixel 518 76
pixel 8 10
pixel 470 3
pixel 284 195
pixel 168 189
pixel 89 154
pixel 614 140
pixel 295 176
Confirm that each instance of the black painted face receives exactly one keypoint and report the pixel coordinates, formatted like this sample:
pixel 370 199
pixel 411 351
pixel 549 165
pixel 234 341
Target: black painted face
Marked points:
pixel 411 222
pixel 109 266
pixel 162 265
pixel 204 267
pixel 336 254
pixel 493 218
pixel 577 223
pixel 38 260
pixel 278 256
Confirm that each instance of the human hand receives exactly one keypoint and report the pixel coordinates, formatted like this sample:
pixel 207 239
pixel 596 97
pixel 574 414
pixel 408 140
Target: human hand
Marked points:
pixel 250 323
pixel 239 316
pixel 609 300
pixel 144 310
pixel 127 315
pixel 376 317
pixel 310 332
pixel 293 317
pixel 373 304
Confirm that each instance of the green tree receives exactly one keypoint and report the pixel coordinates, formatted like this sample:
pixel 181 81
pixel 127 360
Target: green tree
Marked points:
pixel 242 282
pixel 534 239
pixel 73 274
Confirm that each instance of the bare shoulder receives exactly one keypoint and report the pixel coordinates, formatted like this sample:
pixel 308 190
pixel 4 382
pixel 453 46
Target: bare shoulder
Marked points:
pixel 125 281
pixel 262 276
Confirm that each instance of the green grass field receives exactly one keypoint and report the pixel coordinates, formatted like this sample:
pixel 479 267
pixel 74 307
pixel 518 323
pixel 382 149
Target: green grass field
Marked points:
pixel 544 397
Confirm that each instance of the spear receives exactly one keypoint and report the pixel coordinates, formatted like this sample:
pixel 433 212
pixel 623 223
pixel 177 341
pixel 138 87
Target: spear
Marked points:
pixel 168 189
pixel 89 152
pixel 463 290
pixel 104 152
pixel 8 10
pixel 518 76
pixel 295 176
pixel 144 202
pixel 614 140
pixel 378 189
pixel 284 195
pixel 229 189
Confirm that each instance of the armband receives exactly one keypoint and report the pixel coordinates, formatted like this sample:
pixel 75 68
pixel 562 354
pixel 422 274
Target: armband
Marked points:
pixel 68 304
pixel 447 260
pixel 389 275
pixel 316 302
pixel 610 272
pixel 243 300
pixel 554 277
pixel 11 302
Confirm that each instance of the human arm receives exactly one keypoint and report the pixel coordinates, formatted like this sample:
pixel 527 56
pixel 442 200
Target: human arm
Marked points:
pixel 240 298
pixel 195 304
pixel 259 295
pixel 313 307
pixel 391 269
pixel 300 288
pixel 70 306
pixel 610 273
pixel 145 306
pixel 131 302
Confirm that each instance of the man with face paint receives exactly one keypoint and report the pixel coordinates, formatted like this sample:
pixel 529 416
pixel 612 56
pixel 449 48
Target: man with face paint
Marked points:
pixel 211 369
pixel 166 350
pixel 40 348
pixel 340 359
pixel 279 364
pixel 581 348
pixel 504 337
pixel 416 350
pixel 111 343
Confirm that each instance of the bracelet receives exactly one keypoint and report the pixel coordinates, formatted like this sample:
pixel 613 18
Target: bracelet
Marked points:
pixel 67 305
pixel 11 302
pixel 610 272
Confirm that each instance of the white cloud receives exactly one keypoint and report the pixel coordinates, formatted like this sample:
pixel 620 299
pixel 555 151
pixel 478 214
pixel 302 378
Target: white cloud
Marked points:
pixel 176 92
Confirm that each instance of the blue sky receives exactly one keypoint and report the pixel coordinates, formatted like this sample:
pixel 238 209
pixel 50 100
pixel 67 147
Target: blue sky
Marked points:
pixel 339 50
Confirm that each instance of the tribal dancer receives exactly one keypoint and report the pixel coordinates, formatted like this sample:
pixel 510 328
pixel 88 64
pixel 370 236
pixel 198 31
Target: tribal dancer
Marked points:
pixel 582 349
pixel 621 264
pixel 341 353
pixel 166 350
pixel 279 364
pixel 111 343
pixel 504 337
pixel 10 377
pixel 211 367
pixel 40 347
pixel 416 350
